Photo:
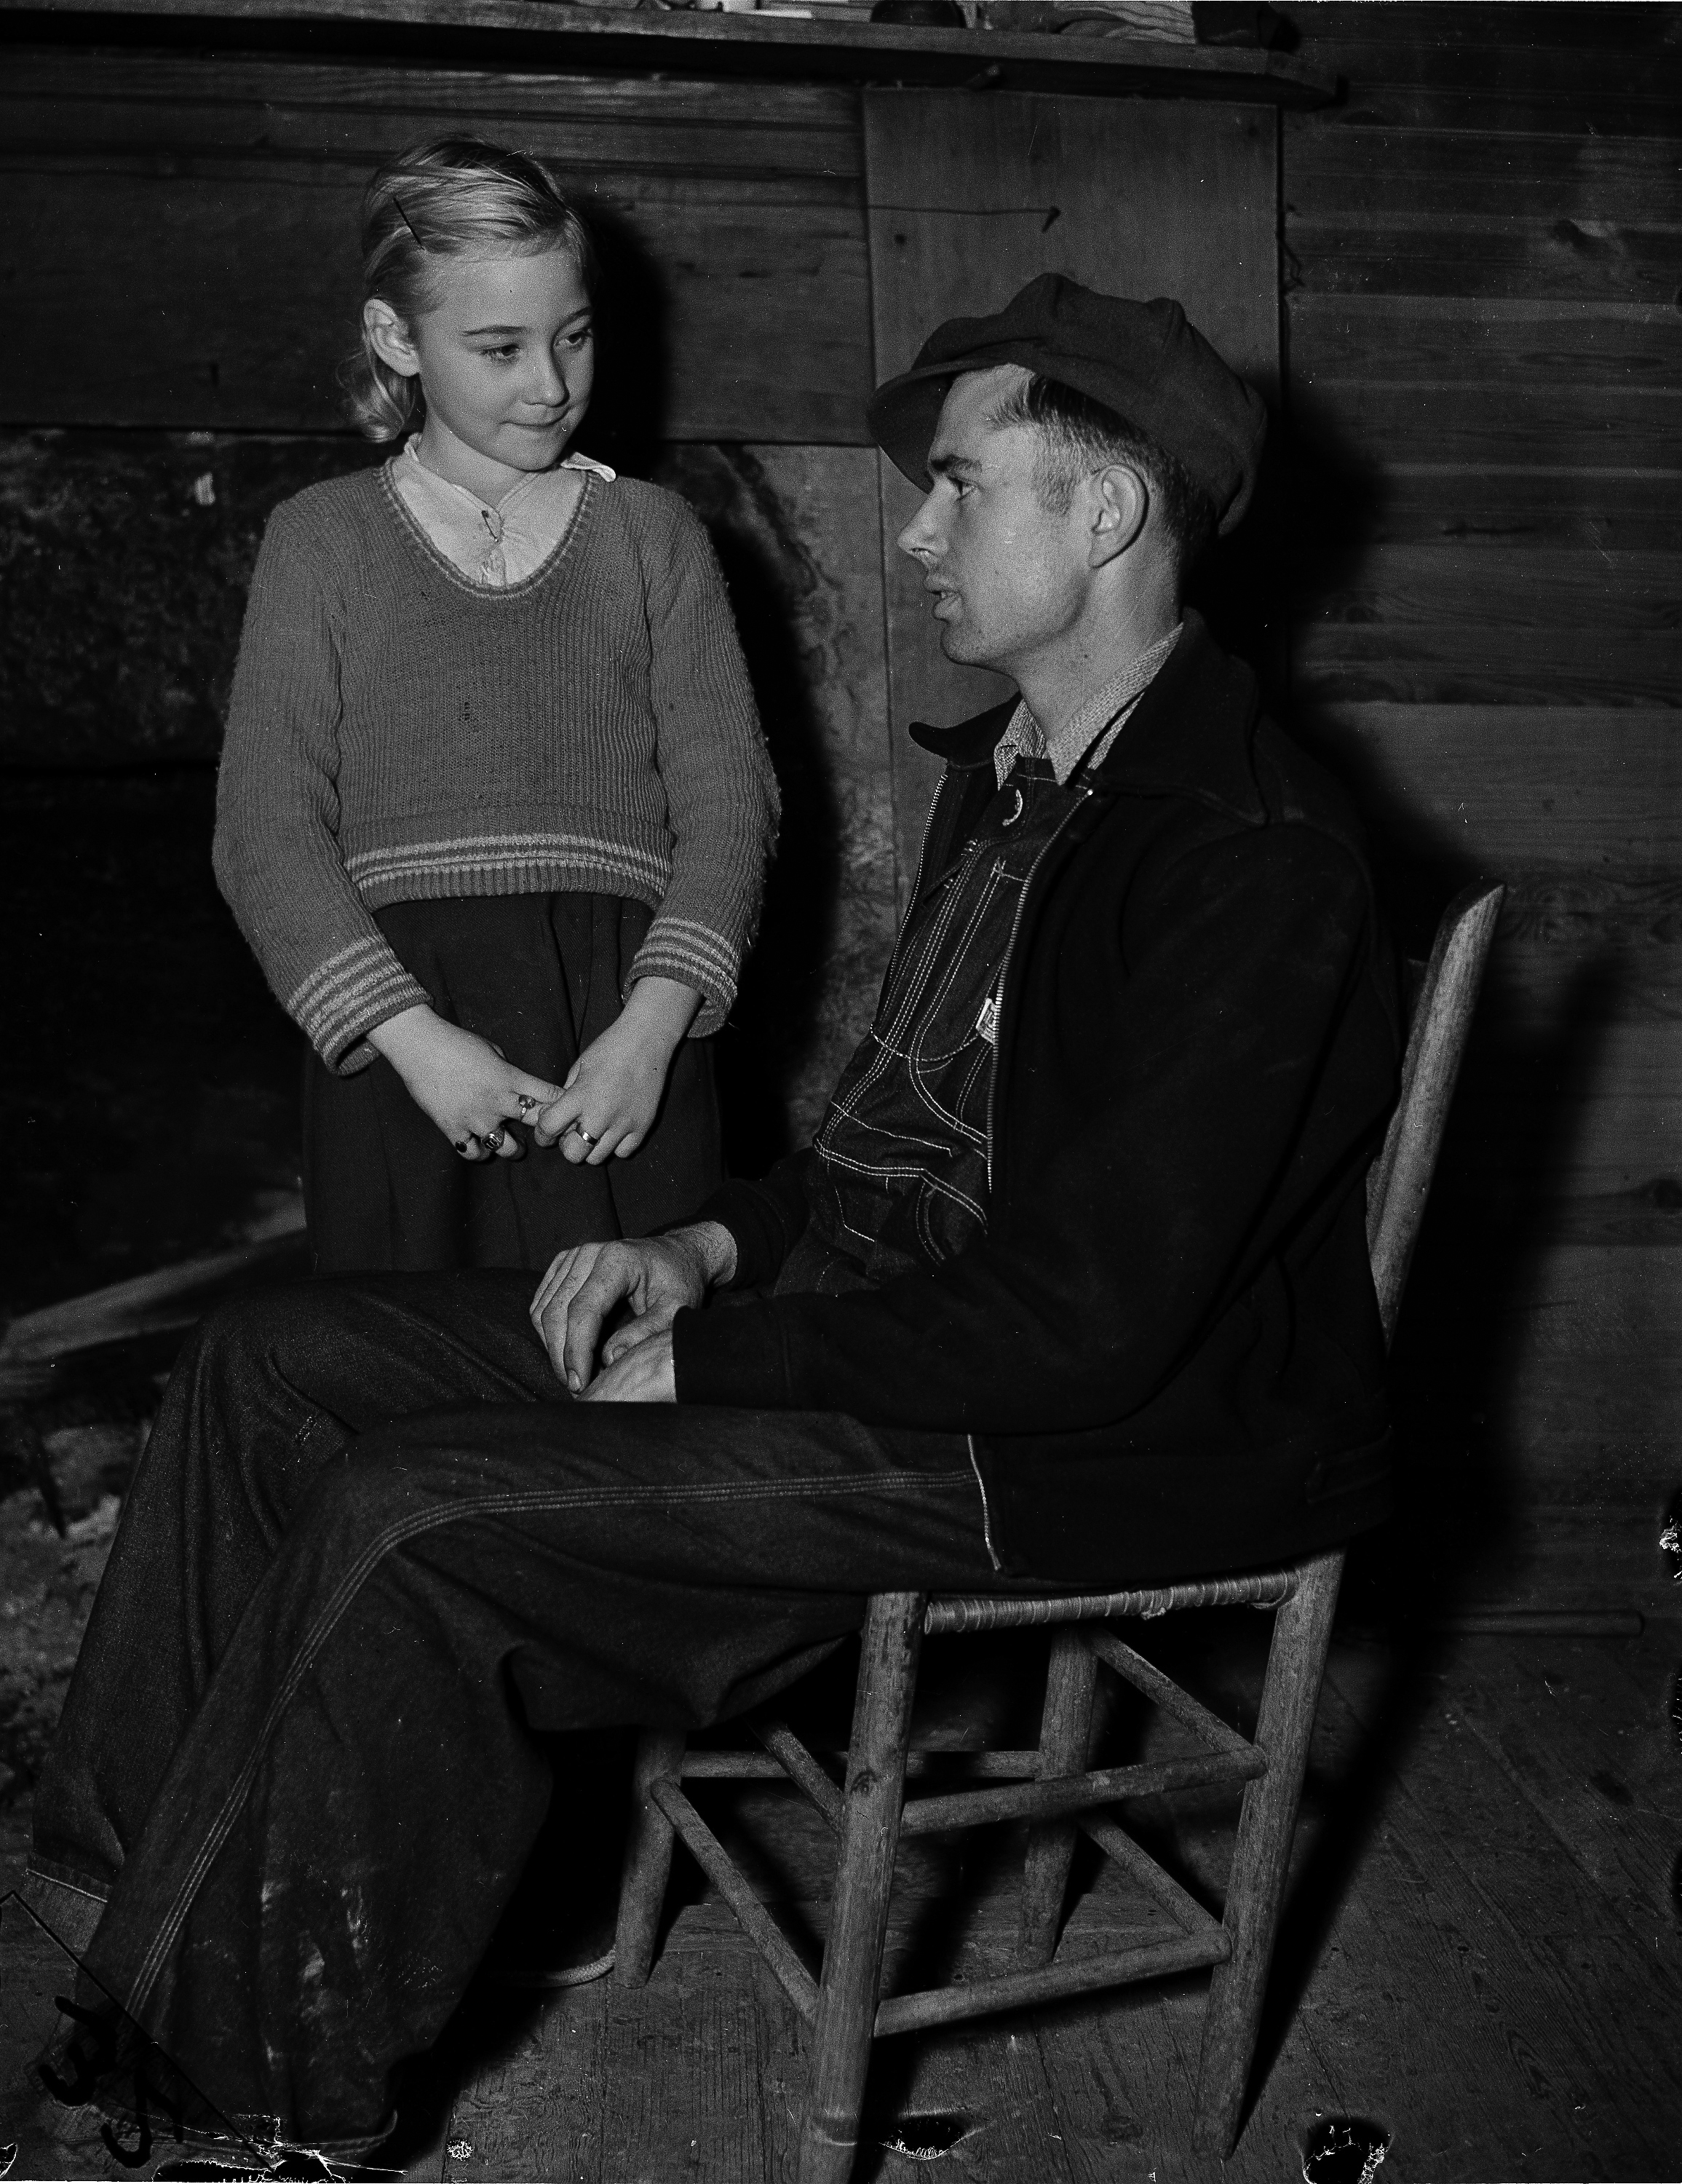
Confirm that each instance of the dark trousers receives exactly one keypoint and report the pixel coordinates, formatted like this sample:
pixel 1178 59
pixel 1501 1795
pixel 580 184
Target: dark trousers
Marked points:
pixel 541 976
pixel 372 1547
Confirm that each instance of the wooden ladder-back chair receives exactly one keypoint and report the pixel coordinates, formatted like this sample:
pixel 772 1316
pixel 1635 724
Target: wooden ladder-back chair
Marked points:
pixel 1052 1787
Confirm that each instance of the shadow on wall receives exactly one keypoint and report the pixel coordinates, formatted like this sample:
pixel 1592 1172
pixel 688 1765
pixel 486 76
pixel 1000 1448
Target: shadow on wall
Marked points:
pixel 769 573
pixel 633 354
pixel 1513 1132
pixel 1239 586
pixel 762 1053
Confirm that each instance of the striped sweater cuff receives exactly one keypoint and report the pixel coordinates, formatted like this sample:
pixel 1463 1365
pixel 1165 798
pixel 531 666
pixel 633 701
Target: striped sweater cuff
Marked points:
pixel 698 955
pixel 347 995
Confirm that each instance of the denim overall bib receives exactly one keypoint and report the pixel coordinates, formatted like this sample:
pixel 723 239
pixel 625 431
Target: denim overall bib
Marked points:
pixel 904 1148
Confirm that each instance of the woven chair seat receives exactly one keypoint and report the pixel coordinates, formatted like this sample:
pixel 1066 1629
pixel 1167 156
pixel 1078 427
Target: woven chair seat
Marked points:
pixel 960 1611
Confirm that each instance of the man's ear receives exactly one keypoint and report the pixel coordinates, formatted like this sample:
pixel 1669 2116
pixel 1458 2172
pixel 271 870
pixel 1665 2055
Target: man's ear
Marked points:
pixel 1120 503
pixel 390 338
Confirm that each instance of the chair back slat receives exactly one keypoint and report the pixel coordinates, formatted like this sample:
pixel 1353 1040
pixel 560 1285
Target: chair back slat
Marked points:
pixel 1400 1178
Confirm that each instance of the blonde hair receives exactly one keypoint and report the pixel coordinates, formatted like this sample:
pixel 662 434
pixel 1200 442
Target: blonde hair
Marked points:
pixel 451 197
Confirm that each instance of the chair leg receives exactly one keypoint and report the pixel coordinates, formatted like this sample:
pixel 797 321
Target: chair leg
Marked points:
pixel 864 1876
pixel 647 1859
pixel 1064 1742
pixel 1296 1662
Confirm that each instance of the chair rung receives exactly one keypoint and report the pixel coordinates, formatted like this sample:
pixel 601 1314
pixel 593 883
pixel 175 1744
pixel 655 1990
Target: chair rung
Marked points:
pixel 787 1749
pixel 1011 1765
pixel 943 2005
pixel 737 1766
pixel 1068 1794
pixel 1145 1676
pixel 987 1611
pixel 751 1916
pixel 1136 1861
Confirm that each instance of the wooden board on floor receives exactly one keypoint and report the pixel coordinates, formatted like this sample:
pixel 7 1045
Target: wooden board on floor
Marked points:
pixel 703 2072
pixel 1560 2034
pixel 1124 2068
pixel 1557 1558
pixel 1459 1963
pixel 1580 1728
pixel 686 2076
pixel 1470 1958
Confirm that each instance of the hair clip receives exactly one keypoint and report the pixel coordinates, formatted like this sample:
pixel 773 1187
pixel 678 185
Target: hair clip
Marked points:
pixel 406 220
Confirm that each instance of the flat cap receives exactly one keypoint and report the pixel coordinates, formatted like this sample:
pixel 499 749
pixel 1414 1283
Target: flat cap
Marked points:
pixel 1145 361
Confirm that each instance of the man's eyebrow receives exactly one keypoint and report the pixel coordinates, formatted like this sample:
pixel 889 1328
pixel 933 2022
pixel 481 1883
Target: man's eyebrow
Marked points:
pixel 954 466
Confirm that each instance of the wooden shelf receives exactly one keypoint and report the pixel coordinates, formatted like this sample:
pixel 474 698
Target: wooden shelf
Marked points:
pixel 553 35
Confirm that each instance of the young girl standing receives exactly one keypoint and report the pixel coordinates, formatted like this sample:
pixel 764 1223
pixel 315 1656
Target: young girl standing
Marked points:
pixel 494 809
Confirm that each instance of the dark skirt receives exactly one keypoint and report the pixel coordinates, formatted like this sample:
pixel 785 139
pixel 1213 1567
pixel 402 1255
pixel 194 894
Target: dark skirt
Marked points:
pixel 539 976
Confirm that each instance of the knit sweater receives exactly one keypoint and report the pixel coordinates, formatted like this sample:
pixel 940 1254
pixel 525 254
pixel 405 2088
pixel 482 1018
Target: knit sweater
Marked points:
pixel 397 733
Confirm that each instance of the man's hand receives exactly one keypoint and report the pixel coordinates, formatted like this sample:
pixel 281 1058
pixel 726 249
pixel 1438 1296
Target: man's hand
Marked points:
pixel 656 1275
pixel 641 1372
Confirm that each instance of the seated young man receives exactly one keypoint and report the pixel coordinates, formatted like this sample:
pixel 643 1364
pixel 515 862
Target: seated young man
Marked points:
pixel 1070 1289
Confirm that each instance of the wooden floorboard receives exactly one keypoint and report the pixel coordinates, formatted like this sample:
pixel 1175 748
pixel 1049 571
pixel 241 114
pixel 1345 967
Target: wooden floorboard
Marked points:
pixel 989 2082
pixel 693 2076
pixel 1475 1958
pixel 1605 1781
pixel 1562 2032
pixel 1481 1955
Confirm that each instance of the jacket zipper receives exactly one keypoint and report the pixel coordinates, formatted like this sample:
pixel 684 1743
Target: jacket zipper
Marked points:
pixel 1046 849
pixel 934 802
pixel 923 846
pixel 986 1512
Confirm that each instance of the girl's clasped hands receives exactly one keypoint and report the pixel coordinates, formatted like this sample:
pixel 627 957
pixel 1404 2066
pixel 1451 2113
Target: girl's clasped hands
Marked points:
pixel 607 1105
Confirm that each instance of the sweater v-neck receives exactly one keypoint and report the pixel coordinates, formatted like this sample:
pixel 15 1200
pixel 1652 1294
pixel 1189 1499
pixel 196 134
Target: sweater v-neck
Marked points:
pixel 442 567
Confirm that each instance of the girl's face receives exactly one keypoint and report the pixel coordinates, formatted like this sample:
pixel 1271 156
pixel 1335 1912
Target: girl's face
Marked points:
pixel 506 357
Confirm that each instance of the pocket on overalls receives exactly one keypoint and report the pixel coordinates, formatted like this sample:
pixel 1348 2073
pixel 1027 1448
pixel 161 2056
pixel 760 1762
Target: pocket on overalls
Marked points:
pixel 951 1017
pixel 953 1090
pixel 949 1220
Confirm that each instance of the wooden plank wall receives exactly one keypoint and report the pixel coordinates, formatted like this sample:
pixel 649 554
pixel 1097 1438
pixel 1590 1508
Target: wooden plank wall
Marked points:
pixel 969 198
pixel 211 206
pixel 1481 371
pixel 1482 245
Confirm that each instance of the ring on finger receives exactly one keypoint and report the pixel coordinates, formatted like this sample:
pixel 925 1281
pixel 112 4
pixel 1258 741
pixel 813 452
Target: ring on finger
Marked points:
pixel 492 1141
pixel 526 1104
pixel 578 1128
pixel 462 1144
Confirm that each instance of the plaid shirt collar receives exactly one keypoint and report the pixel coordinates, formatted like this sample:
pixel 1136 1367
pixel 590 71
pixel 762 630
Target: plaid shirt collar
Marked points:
pixel 1092 727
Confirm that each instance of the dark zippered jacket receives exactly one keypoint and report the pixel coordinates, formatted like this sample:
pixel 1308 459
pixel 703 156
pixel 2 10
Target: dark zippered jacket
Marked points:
pixel 1166 1351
